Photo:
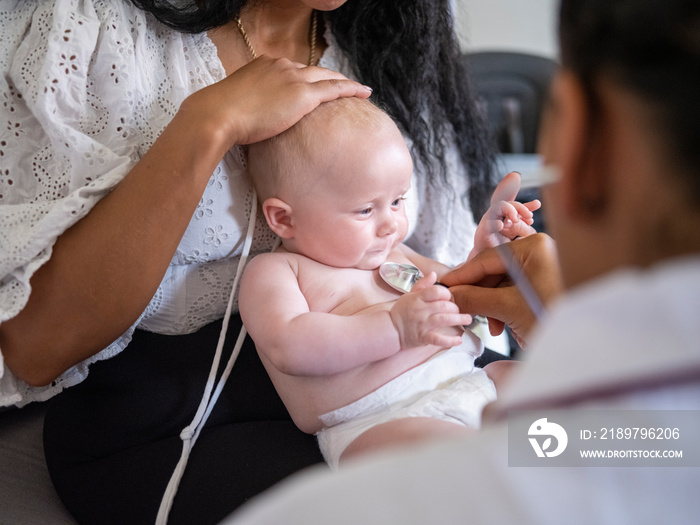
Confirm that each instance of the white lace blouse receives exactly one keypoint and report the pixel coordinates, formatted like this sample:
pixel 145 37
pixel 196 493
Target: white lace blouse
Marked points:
pixel 86 88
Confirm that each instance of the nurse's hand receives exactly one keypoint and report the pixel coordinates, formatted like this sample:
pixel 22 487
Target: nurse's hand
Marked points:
pixel 482 286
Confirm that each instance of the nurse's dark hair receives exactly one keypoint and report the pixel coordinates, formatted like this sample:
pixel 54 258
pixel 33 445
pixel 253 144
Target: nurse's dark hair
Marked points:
pixel 652 49
pixel 407 52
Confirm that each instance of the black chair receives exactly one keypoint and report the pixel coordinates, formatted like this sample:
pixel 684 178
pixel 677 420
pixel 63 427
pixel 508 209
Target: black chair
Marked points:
pixel 512 88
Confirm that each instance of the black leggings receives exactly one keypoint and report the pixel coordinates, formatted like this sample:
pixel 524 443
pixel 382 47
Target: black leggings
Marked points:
pixel 112 442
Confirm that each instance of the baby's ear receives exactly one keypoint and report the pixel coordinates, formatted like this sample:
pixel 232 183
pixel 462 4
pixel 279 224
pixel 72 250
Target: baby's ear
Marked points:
pixel 279 217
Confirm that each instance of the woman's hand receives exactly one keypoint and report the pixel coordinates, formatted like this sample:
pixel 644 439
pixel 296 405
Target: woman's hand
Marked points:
pixel 264 98
pixel 481 286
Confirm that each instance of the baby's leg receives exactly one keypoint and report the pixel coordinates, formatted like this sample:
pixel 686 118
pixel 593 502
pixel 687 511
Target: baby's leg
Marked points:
pixel 400 432
pixel 500 371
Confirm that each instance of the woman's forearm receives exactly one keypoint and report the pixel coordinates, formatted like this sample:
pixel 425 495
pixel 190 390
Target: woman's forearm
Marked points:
pixel 104 270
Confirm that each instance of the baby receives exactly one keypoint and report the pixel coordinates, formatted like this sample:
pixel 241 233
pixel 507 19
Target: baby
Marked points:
pixel 355 362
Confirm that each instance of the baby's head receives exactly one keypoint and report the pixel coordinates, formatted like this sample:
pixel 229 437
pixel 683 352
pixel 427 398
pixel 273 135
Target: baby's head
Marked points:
pixel 332 186
pixel 285 165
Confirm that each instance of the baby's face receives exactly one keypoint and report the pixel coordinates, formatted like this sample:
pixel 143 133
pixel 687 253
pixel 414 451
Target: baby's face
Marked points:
pixel 354 214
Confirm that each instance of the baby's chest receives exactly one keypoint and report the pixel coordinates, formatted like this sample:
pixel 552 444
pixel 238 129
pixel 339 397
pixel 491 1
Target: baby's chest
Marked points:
pixel 347 292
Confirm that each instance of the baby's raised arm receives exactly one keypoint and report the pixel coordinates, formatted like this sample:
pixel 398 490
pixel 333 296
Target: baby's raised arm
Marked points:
pixel 506 218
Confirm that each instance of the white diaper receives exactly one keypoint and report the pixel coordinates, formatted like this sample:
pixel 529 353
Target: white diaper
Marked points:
pixel 446 387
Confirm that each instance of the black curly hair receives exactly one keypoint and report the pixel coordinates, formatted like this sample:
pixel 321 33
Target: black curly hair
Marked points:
pixel 408 52
pixel 651 48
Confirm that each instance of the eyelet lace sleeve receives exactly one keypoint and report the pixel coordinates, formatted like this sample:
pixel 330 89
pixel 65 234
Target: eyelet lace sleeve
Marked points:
pixel 73 116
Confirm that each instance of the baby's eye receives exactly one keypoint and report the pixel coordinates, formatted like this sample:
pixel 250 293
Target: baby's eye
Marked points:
pixel 397 202
pixel 365 211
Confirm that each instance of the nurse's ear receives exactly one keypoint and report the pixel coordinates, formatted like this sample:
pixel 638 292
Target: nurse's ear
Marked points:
pixel 579 142
pixel 278 215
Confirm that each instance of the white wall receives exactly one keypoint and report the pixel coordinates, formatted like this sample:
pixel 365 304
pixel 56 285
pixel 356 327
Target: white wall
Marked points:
pixel 527 26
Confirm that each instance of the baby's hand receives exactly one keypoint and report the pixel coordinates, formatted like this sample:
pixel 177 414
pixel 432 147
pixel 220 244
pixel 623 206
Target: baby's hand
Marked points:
pixel 507 218
pixel 427 316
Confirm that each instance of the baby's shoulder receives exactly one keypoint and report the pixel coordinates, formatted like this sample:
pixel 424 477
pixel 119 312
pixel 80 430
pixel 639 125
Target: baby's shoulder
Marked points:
pixel 280 265
pixel 272 260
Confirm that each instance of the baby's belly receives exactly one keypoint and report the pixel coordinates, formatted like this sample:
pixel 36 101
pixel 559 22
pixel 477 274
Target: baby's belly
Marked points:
pixel 308 398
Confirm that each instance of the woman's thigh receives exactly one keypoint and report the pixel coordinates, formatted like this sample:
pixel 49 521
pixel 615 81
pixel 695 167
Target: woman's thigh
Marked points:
pixel 112 442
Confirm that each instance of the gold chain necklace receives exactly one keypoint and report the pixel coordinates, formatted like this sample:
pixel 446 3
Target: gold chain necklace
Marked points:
pixel 312 43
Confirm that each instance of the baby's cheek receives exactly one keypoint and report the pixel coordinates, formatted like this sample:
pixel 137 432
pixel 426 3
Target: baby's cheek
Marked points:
pixel 403 231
